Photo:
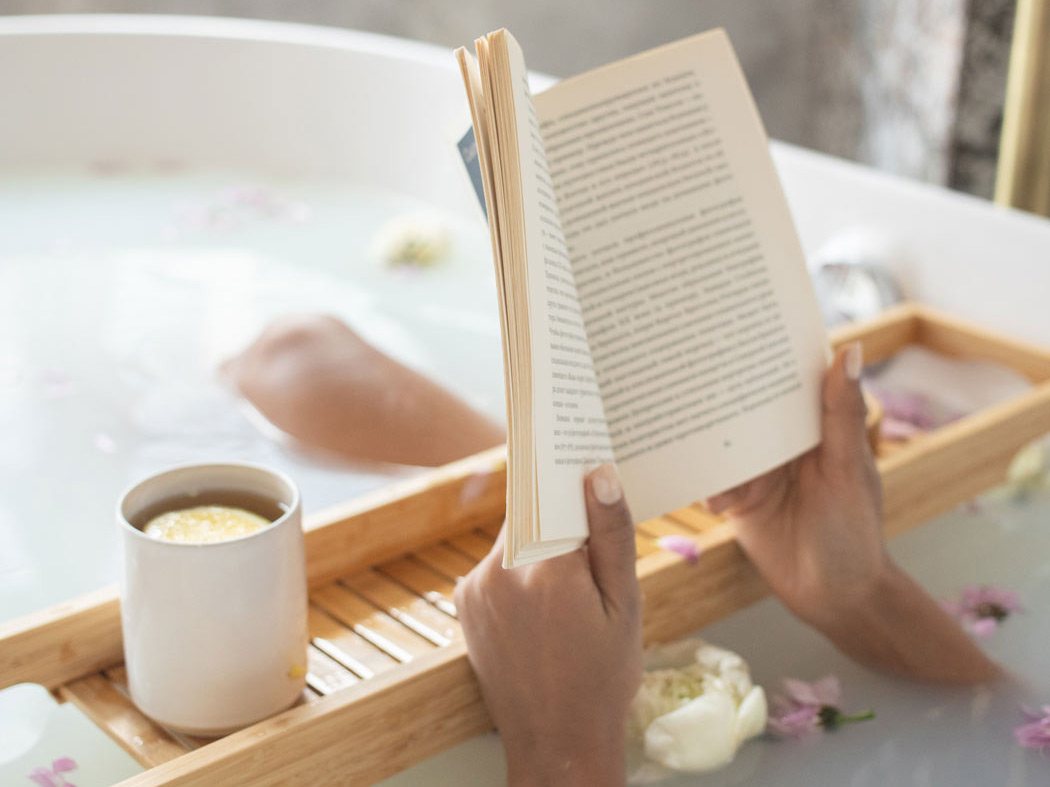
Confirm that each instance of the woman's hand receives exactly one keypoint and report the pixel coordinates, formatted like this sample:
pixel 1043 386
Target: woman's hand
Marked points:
pixel 557 648
pixel 813 529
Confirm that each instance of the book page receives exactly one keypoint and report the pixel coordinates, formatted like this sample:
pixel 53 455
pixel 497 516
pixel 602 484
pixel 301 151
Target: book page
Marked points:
pixel 701 318
pixel 568 421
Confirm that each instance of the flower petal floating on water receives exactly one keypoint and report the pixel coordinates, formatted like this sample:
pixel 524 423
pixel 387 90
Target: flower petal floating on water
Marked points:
pixel 63 764
pixel 805 709
pixel 794 722
pixel 51 777
pixel 1035 733
pixel 914 408
pixel 825 691
pixel 981 610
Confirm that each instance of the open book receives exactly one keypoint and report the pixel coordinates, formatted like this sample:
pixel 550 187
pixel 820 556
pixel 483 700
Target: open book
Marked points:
pixel 654 301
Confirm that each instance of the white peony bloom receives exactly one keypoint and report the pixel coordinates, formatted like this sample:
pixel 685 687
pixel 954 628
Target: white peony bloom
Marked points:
pixel 694 716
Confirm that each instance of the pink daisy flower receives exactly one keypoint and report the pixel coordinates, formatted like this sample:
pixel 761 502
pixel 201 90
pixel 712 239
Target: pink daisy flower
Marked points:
pixel 806 709
pixel 1035 733
pixel 982 609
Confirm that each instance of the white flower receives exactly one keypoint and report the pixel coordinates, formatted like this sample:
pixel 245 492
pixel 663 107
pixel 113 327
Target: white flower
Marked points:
pixel 1028 470
pixel 694 716
pixel 418 240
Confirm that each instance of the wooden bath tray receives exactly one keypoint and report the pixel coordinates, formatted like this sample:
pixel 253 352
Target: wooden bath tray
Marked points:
pixel 389 682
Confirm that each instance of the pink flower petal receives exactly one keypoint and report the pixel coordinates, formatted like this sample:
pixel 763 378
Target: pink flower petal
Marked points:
pixel 982 608
pixel 1034 715
pixel 63 764
pixel 896 429
pixel 828 690
pixel 1035 734
pixel 984 627
pixel 44 777
pixel 801 693
pixel 680 545
pixel 799 723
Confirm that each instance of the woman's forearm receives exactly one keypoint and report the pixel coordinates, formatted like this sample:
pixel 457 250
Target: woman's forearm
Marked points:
pixel 605 765
pixel 902 630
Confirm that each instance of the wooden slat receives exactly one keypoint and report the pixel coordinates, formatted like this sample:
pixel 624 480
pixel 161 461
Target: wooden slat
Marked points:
pixel 445 560
pixel 883 336
pixel 492 528
pixel 406 608
pixel 115 715
pixel 373 624
pixel 396 520
pixel 473 544
pixel 697 518
pixel 663 526
pixel 118 676
pixel 425 582
pixel 681 597
pixel 890 447
pixel 644 545
pixel 325 675
pixel 346 646
pixel 63 642
pixel 947 335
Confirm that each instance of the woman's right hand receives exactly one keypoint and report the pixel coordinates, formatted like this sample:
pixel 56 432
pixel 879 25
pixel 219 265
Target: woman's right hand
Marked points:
pixel 813 529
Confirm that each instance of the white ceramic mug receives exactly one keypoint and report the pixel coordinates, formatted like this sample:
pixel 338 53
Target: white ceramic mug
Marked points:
pixel 215 634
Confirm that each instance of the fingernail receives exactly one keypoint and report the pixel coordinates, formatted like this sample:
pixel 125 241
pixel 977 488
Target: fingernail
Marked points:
pixel 606 485
pixel 854 361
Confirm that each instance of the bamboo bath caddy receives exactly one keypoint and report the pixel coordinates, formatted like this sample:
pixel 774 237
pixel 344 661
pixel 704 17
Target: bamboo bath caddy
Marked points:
pixel 389 683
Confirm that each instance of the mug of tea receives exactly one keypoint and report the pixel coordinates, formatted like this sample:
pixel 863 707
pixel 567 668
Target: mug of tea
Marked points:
pixel 213 596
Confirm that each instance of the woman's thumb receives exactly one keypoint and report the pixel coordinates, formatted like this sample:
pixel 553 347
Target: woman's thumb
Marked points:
pixel 611 548
pixel 843 429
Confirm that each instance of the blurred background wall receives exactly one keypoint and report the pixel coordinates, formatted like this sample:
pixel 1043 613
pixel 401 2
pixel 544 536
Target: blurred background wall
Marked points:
pixel 914 87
